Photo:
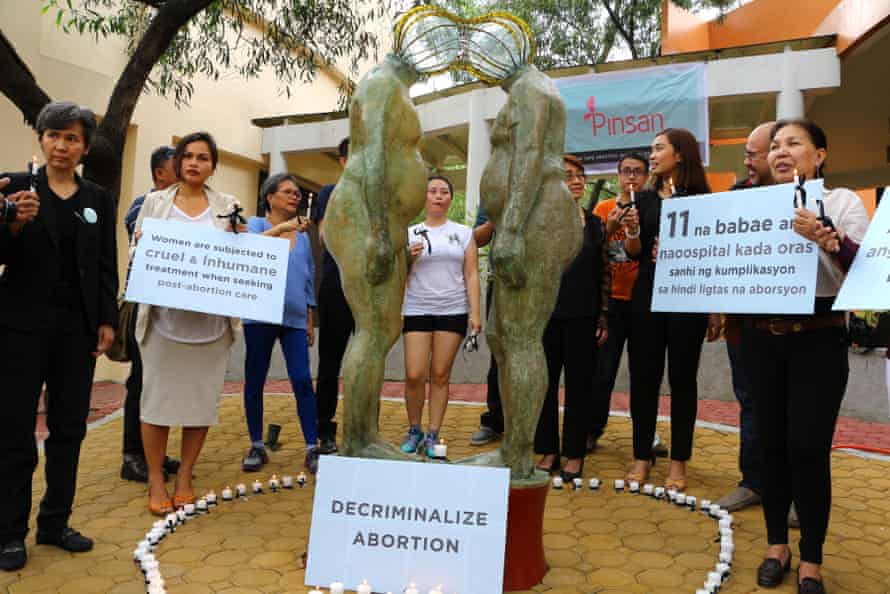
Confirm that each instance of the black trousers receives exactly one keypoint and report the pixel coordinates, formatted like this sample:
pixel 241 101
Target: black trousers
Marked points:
pixel 681 335
pixel 132 425
pixel 798 382
pixel 335 325
pixel 61 357
pixel 493 418
pixel 608 362
pixel 569 345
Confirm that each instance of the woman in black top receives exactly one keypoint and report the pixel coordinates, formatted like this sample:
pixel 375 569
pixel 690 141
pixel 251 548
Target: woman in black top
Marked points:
pixel 677 170
pixel 571 339
pixel 59 311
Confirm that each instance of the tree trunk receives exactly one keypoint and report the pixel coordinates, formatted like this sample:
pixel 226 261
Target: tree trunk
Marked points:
pixel 18 83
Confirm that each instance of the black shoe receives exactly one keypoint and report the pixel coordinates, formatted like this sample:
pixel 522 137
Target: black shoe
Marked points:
pixel 255 459
pixel 327 445
pixel 134 468
pixel 310 463
pixel 772 572
pixel 569 477
pixel 13 555
pixel 810 585
pixel 68 539
pixel 171 466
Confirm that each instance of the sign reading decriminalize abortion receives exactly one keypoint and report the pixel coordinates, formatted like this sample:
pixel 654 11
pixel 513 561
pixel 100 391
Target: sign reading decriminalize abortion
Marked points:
pixel 198 268
pixel 614 113
pixel 735 252
pixel 369 522
pixel 868 281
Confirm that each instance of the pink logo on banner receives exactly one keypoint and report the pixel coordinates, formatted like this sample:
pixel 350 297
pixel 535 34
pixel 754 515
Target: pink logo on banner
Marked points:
pixel 621 125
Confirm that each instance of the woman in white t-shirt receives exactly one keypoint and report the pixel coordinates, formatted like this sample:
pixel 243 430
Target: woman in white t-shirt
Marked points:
pixel 441 301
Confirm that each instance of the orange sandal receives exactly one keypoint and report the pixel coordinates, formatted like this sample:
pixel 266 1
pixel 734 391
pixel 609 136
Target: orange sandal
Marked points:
pixel 183 500
pixel 160 509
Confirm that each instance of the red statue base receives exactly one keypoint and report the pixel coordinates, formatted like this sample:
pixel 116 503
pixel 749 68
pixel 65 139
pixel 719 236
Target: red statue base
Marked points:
pixel 524 563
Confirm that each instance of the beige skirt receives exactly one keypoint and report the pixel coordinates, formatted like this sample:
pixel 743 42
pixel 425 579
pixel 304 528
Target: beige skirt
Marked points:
pixel 182 383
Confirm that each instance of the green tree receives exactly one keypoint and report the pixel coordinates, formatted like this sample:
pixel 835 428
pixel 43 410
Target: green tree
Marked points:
pixel 172 41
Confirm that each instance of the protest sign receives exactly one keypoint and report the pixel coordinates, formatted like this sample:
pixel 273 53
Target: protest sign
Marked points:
pixel 735 252
pixel 868 281
pixel 199 268
pixel 368 523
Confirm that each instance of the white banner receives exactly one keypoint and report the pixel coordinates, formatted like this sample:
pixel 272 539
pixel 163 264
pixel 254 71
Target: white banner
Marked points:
pixel 392 523
pixel 198 268
pixel 868 282
pixel 735 252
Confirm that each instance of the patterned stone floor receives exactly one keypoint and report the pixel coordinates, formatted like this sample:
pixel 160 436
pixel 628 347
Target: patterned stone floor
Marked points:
pixel 596 542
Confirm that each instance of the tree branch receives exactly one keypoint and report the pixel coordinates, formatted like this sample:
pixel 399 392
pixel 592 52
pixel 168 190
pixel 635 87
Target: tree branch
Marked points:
pixel 19 84
pixel 621 30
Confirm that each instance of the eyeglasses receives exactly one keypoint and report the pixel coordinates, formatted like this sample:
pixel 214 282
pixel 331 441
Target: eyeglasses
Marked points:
pixel 578 176
pixel 628 172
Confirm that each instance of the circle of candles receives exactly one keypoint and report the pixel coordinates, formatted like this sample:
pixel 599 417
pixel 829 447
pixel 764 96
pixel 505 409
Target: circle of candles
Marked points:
pixel 241 490
pixel 619 484
pixel 594 484
pixel 363 588
pixel 578 482
pixel 301 479
pixel 649 489
pixel 227 493
pixel 273 483
pixel 287 481
pixel 257 487
pixel 634 487
pixel 202 506
pixel 411 589
pixel 440 450
pixel 557 482
pixel 336 588
pixel 659 492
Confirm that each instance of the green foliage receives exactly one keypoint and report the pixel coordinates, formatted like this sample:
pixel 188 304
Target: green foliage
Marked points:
pixel 292 38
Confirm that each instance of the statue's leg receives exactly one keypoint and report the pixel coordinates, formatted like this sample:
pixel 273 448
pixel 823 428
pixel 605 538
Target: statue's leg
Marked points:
pixel 524 370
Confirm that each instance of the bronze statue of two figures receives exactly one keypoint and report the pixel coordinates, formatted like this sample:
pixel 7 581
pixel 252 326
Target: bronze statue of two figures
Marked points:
pixel 523 192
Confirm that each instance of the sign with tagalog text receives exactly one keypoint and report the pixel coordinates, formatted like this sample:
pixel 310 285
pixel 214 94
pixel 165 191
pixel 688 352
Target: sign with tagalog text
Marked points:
pixel 867 285
pixel 392 523
pixel 735 252
pixel 199 268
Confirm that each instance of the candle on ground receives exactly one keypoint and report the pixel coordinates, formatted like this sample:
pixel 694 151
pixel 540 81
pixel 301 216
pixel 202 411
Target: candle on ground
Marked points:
pixel 201 506
pixel 557 482
pixel 301 479
pixel 411 589
pixel 273 483
pixel 436 590
pixel 594 484
pixel 363 588
pixel 211 498
pixel 336 588
pixel 227 493
pixel 440 450
pixel 257 487
pixel 241 490
pixel 619 484
pixel 578 482
pixel 287 481
pixel 316 591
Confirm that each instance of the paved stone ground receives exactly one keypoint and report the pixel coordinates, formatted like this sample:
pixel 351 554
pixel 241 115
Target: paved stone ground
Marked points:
pixel 596 542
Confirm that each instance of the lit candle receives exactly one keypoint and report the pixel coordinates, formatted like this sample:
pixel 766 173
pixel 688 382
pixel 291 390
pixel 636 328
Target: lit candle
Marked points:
pixel 436 590
pixel 181 515
pixel 211 499
pixel 557 482
pixel 578 482
pixel 336 588
pixel 227 493
pixel 301 479
pixel 714 510
pixel 363 588
pixel 257 487
pixel 440 450
pixel 649 489
pixel 201 506
pixel 706 505
pixel 160 526
pixel 287 481
pixel 594 484
pixel 725 522
pixel 714 576
pixel 681 499
pixel 726 558
pixel 411 589
pixel 659 492
pixel 671 184
pixel 634 487
pixel 154 538
pixel 796 176
pixel 33 173
pixel 690 501
pixel 190 510
pixel 309 207
pixel 619 484
pixel 273 483
pixel 241 490
pixel 723 569
pixel 727 547
pixel 633 198
pixel 316 591
pixel 701 591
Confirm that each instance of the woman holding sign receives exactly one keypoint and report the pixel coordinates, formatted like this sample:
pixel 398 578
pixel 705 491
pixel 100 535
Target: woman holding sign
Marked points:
pixel 281 195
pixel 677 170
pixel 801 367
pixel 184 353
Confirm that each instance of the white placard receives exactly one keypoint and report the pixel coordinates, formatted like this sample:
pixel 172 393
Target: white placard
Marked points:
pixel 735 252
pixel 393 523
pixel 198 268
pixel 867 285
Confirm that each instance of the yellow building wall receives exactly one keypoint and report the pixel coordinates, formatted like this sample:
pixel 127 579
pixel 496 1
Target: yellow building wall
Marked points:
pixel 77 68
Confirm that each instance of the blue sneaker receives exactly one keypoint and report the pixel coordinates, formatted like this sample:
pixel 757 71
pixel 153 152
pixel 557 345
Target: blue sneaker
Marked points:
pixel 413 440
pixel 432 438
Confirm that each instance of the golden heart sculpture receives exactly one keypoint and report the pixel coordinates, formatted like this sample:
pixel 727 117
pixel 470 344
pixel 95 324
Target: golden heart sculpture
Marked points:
pixel 490 47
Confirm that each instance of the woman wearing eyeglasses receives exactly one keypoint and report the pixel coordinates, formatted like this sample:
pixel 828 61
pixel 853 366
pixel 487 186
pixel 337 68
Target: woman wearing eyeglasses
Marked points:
pixel 441 301
pixel 577 327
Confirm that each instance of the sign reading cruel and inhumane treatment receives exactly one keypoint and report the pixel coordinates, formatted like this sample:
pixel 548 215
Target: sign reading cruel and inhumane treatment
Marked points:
pixel 198 268
pixel 735 252
pixel 868 281
pixel 393 523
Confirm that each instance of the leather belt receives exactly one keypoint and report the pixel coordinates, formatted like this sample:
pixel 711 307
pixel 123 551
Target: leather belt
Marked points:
pixel 782 326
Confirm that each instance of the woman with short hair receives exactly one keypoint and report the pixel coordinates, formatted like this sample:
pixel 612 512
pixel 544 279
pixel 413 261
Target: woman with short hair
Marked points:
pixel 281 197
pixel 677 170
pixel 441 302
pixel 184 353
pixel 802 367
pixel 59 313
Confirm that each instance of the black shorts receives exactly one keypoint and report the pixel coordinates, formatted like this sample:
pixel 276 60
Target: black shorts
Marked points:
pixel 456 323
